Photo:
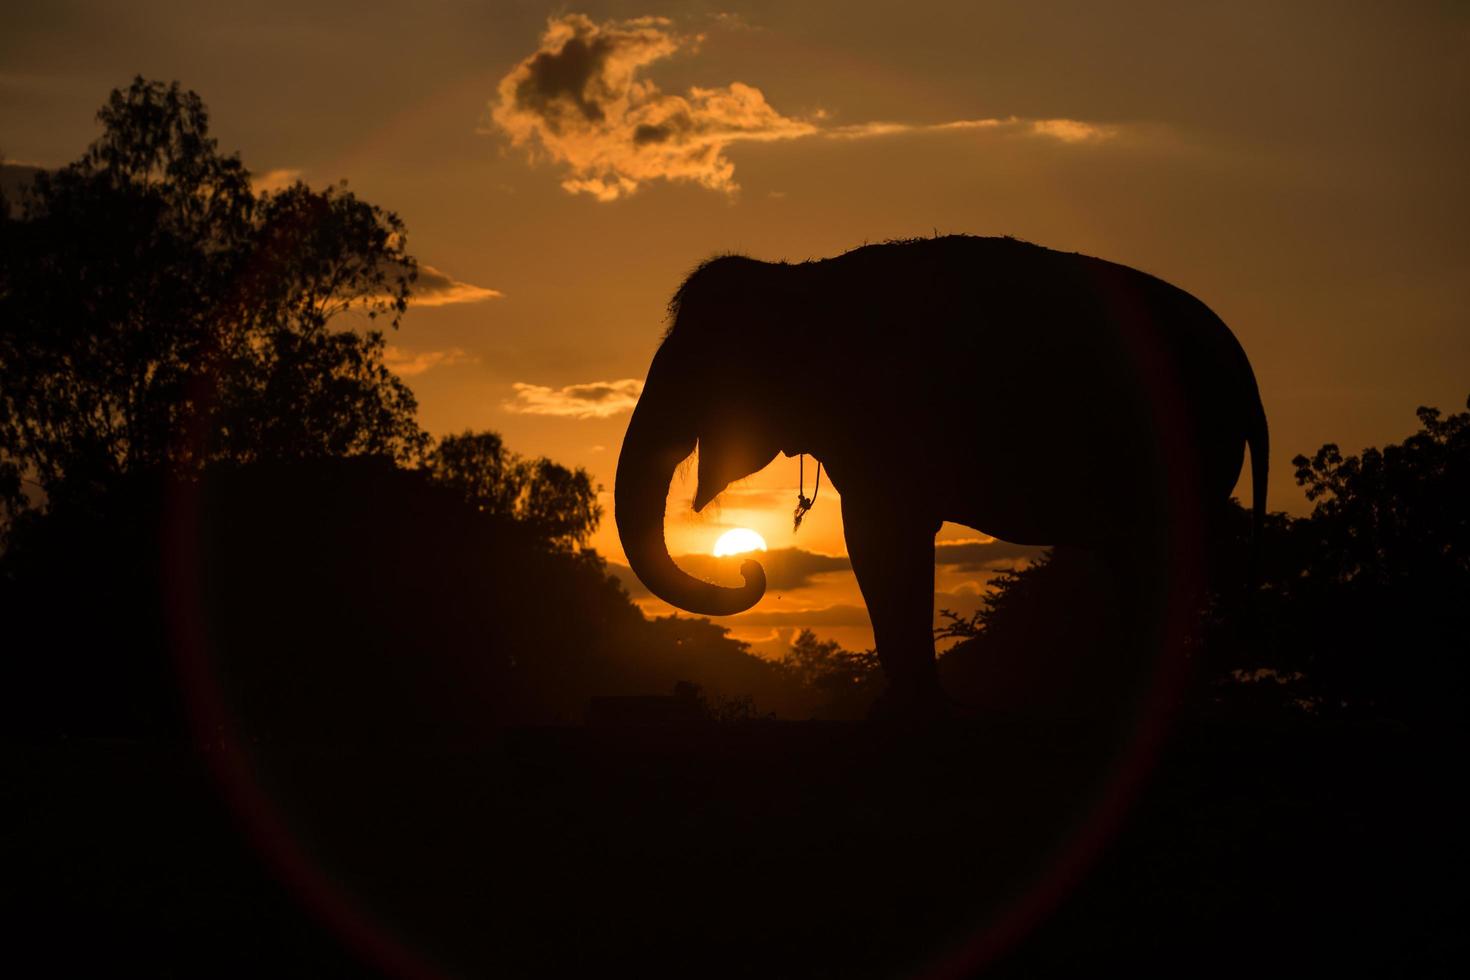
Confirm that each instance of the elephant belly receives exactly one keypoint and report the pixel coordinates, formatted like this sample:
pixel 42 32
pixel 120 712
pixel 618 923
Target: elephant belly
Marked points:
pixel 1087 480
pixel 1034 501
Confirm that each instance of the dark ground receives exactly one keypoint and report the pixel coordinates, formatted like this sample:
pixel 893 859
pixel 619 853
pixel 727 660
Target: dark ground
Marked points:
pixel 770 850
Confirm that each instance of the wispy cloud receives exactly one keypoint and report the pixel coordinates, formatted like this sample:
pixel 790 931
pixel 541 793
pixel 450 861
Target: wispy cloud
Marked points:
pixel 594 400
pixel 582 101
pixel 839 614
pixel 1072 130
pixel 274 180
pixel 786 569
pixel 795 568
pixel 407 364
pixel 755 498
pixel 983 554
pixel 1063 130
pixel 436 288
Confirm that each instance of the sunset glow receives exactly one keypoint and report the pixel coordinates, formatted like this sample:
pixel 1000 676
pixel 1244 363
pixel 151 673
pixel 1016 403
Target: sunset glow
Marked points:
pixel 837 488
pixel 738 541
pixel 560 169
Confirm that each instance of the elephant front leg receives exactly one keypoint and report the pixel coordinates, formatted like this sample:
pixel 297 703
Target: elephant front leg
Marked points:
pixel 893 558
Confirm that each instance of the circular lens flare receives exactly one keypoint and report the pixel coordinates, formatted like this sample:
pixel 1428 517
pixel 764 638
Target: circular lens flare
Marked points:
pixel 737 541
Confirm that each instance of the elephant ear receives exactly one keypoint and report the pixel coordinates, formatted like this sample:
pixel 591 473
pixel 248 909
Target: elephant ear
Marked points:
pixel 709 485
pixel 732 448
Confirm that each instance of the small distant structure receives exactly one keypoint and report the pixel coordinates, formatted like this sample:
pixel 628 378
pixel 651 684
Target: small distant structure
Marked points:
pixel 685 706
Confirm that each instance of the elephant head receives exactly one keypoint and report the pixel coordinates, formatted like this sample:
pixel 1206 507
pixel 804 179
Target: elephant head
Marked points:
pixel 706 388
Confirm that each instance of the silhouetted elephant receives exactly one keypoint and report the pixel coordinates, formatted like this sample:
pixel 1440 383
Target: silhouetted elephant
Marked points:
pixel 1043 397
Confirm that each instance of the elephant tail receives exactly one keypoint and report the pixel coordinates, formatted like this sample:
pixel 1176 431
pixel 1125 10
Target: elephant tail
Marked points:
pixel 1258 438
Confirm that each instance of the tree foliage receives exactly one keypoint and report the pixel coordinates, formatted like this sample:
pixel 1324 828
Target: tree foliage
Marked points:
pixel 157 312
pixel 1012 588
pixel 1402 512
pixel 559 504
pixel 825 665
pixel 844 682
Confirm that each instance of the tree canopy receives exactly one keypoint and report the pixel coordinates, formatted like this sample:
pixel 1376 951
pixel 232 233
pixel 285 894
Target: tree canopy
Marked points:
pixel 559 504
pixel 1401 512
pixel 158 312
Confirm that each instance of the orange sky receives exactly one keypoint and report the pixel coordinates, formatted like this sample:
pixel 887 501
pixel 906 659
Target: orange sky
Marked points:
pixel 1299 167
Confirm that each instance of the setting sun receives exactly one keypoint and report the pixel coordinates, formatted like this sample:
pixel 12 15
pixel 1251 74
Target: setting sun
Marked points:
pixel 738 541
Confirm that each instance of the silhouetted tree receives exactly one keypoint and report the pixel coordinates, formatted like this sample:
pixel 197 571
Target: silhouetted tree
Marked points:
pixel 1397 514
pixel 155 311
pixel 1051 639
pixel 957 626
pixel 845 681
pixel 1361 610
pixel 1012 588
pixel 481 468
pixel 559 504
pixel 825 664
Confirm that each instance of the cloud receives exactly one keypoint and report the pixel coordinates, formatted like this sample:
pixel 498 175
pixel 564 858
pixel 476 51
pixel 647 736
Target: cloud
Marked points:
pixel 1064 130
pixel 406 364
pixel 274 180
pixel 755 498
pixel 594 400
pixel 436 288
pixel 582 101
pixel 630 582
pixel 964 599
pixel 786 569
pixel 795 568
pixel 868 130
pixel 727 21
pixel 835 615
pixel 983 554
pixel 1072 130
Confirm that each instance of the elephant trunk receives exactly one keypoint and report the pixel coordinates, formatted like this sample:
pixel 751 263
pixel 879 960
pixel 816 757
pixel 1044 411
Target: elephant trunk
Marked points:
pixel 652 450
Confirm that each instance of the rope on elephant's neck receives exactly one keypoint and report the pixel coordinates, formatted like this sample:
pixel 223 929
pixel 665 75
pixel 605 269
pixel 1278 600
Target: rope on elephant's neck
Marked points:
pixel 803 502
